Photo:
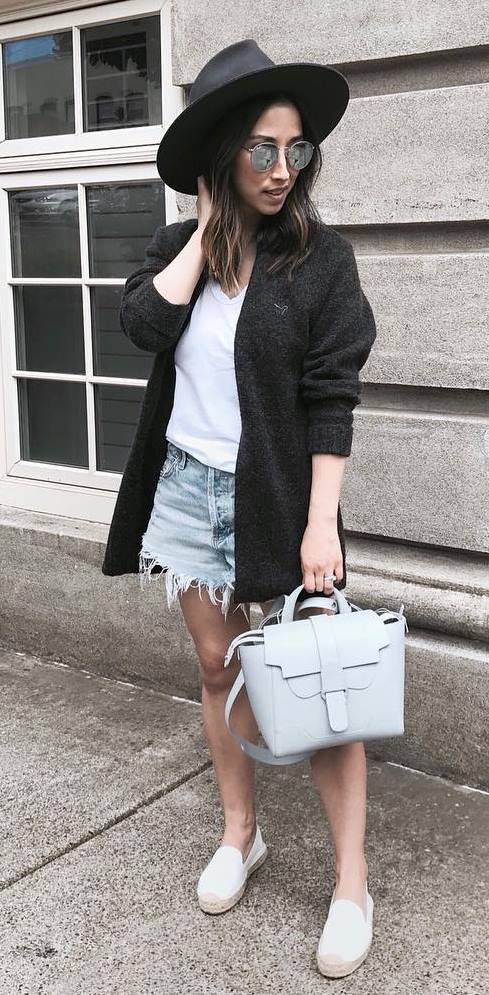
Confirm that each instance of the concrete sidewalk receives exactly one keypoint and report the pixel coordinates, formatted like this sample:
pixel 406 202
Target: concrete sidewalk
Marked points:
pixel 110 810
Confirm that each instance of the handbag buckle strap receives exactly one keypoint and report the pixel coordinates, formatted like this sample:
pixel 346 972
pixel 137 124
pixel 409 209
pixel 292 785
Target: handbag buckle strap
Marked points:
pixel 332 675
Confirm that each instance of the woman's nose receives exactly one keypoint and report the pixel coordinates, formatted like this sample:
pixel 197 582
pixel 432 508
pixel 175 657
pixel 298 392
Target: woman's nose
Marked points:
pixel 280 168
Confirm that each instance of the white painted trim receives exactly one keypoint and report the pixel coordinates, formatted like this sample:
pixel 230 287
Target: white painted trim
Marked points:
pixel 97 157
pixel 93 173
pixel 7 355
pixel 3 400
pixel 89 143
pixel 94 14
pixel 2 101
pixel 173 100
pixel 87 330
pixel 79 378
pixel 54 474
pixel 89 505
pixel 66 281
pixel 77 90
pixel 30 8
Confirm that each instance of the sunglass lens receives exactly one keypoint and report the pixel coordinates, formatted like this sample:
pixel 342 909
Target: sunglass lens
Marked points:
pixel 300 154
pixel 263 156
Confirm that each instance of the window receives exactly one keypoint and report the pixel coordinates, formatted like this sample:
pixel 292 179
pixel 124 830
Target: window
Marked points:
pixel 70 351
pixel 38 86
pixel 62 86
pixel 87 83
pixel 122 77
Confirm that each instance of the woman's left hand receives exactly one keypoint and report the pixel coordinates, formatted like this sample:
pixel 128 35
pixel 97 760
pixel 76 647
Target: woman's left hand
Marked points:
pixel 321 554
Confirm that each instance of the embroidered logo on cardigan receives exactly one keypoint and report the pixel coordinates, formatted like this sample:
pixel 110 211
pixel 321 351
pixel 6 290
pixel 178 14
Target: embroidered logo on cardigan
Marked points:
pixel 282 308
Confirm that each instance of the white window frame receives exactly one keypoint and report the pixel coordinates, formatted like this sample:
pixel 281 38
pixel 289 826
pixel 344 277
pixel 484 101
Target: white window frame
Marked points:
pixel 87 494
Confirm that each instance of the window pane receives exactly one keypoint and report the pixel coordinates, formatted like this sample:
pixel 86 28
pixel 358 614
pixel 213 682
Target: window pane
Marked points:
pixel 122 74
pixel 114 355
pixel 45 232
pixel 122 219
pixel 116 416
pixel 49 329
pixel 53 422
pixel 38 85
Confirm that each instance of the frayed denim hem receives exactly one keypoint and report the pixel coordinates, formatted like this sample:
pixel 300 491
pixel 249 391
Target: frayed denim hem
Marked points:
pixel 176 583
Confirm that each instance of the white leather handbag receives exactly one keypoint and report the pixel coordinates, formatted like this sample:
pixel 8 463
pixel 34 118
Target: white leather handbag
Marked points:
pixel 320 681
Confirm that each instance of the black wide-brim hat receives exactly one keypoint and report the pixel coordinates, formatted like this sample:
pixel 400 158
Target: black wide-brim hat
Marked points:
pixel 235 74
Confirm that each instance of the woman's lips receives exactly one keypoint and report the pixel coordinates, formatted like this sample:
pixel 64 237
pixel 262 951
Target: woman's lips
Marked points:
pixel 275 196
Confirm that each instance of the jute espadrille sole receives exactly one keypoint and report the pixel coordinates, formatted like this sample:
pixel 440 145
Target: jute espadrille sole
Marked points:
pixel 210 903
pixel 334 968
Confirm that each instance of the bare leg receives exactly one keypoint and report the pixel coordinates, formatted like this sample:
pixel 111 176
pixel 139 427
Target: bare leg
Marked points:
pixel 234 769
pixel 340 775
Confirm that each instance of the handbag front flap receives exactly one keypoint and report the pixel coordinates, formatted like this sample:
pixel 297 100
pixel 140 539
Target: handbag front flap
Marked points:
pixel 357 638
pixel 326 655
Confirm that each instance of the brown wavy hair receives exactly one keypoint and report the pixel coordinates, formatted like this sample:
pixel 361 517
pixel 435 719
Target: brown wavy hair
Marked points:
pixel 288 234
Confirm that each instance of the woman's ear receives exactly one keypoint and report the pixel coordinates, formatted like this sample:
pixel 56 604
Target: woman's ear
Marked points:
pixel 207 177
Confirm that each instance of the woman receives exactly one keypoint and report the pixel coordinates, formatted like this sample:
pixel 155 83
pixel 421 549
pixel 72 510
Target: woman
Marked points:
pixel 260 327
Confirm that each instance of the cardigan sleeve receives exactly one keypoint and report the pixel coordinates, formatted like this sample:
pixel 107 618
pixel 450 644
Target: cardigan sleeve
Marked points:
pixel 146 317
pixel 340 341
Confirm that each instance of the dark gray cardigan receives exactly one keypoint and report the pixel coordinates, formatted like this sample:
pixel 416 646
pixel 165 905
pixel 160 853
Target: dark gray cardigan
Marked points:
pixel 299 346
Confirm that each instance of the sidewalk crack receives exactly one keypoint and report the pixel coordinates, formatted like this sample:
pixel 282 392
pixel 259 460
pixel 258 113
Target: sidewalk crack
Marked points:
pixel 88 837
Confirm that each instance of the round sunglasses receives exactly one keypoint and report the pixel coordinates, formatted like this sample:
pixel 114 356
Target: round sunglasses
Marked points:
pixel 263 156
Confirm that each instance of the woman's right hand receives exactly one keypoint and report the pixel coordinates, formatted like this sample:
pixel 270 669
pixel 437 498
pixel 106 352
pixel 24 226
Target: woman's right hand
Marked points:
pixel 203 203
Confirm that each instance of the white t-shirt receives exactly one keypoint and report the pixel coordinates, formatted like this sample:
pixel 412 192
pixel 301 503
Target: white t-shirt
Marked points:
pixel 205 418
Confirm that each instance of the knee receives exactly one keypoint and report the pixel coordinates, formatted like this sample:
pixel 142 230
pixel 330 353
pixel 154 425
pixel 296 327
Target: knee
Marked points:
pixel 215 676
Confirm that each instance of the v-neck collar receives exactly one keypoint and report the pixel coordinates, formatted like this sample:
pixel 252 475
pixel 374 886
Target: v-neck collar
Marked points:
pixel 222 297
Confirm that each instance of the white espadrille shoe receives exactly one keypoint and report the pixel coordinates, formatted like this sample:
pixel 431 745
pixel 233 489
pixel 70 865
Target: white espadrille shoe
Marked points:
pixel 346 937
pixel 223 881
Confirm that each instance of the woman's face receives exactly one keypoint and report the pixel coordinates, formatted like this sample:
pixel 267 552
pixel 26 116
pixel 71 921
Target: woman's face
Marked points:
pixel 281 124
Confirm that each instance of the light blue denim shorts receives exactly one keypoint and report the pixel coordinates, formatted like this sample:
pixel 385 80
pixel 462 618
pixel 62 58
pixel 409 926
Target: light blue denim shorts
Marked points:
pixel 190 533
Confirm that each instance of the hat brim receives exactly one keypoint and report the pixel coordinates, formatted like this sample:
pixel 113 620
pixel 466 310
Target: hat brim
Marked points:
pixel 321 91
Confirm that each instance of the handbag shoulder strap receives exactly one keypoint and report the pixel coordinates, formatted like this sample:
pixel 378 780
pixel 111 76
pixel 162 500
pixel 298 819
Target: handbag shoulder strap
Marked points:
pixel 252 749
pixel 252 636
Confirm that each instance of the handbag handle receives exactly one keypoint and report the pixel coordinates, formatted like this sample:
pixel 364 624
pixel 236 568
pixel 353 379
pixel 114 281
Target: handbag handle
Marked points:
pixel 291 601
pixel 312 602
